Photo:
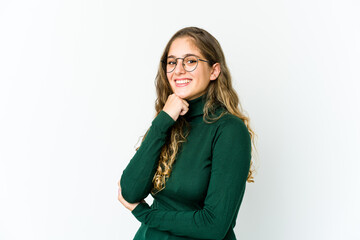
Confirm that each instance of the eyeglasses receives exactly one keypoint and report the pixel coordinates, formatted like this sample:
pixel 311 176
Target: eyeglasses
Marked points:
pixel 189 63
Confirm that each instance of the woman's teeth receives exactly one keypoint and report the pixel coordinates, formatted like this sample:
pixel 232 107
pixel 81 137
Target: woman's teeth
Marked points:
pixel 182 81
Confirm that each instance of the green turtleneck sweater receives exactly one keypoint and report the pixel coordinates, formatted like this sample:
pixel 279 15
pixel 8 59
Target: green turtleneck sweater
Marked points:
pixel 203 194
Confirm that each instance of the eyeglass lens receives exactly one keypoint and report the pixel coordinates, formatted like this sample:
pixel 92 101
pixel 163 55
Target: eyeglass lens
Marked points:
pixel 189 63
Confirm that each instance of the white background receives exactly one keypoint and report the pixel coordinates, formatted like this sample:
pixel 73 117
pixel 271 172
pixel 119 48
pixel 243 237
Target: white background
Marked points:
pixel 77 93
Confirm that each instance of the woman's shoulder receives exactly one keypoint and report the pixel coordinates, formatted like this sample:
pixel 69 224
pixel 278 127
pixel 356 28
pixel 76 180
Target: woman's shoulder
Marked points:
pixel 231 130
pixel 230 120
pixel 232 125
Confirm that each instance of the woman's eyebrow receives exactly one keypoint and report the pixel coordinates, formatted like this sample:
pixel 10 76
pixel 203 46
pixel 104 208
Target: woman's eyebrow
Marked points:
pixel 186 55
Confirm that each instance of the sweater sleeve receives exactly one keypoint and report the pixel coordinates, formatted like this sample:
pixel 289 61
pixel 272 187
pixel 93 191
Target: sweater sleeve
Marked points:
pixel 230 167
pixel 136 179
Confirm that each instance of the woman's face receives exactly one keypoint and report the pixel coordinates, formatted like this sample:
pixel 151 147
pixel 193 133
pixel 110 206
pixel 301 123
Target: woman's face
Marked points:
pixel 196 81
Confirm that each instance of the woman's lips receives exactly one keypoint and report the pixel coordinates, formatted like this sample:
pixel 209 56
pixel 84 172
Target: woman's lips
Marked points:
pixel 182 82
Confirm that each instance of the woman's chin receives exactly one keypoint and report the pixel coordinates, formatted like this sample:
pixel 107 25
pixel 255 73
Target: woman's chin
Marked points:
pixel 182 95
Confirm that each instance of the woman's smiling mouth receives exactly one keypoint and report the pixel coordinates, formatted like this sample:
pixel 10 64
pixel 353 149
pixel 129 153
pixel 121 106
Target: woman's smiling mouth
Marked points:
pixel 182 82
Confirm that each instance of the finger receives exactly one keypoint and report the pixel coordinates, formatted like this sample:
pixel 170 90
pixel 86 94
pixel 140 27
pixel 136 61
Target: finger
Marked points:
pixel 119 195
pixel 186 103
pixel 118 183
pixel 184 111
pixel 186 108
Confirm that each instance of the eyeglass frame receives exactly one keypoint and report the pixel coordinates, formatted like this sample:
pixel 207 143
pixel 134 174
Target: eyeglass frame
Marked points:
pixel 183 64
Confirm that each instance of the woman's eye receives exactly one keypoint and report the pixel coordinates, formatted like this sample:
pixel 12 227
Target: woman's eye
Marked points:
pixel 171 63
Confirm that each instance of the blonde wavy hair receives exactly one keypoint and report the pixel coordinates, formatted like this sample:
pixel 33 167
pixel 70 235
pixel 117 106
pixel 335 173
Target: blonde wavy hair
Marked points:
pixel 219 93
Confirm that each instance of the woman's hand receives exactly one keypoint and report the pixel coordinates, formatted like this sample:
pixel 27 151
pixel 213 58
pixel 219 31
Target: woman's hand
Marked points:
pixel 176 106
pixel 130 206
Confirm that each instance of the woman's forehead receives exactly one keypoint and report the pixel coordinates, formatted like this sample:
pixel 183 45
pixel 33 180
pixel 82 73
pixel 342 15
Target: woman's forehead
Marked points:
pixel 182 47
pixel 185 55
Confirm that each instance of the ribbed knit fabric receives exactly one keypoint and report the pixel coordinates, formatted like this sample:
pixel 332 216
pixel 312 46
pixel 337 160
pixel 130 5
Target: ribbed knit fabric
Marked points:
pixel 202 197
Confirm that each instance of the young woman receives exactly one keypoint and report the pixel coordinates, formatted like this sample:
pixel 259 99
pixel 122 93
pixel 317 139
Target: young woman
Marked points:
pixel 195 159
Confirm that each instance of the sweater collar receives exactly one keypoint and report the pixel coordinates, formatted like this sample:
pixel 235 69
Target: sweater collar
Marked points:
pixel 196 107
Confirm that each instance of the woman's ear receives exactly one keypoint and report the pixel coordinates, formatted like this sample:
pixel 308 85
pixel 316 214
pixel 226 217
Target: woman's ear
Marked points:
pixel 215 72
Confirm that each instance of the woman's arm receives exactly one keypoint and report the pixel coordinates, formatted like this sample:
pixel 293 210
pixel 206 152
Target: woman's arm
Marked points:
pixel 230 167
pixel 136 179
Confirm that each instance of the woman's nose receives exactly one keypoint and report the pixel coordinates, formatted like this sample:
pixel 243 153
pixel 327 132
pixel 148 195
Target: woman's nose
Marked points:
pixel 179 69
